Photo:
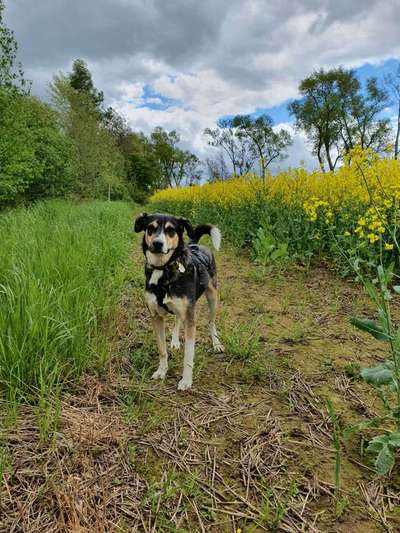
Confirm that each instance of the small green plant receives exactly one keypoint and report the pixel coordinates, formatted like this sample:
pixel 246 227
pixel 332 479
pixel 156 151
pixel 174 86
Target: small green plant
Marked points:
pixel 267 249
pixel 241 344
pixel 384 377
pixel 275 507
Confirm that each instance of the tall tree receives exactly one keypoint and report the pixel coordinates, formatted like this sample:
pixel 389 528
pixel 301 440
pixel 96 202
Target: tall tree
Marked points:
pixel 177 166
pixel 99 164
pixel 337 115
pixel 11 73
pixel 237 147
pixel 393 83
pixel 36 159
pixel 217 168
pixel 80 79
pixel 266 144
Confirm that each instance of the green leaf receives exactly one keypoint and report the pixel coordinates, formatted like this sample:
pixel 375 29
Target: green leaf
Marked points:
pixel 394 440
pixel 377 443
pixel 396 289
pixel 378 375
pixel 385 460
pixel 370 327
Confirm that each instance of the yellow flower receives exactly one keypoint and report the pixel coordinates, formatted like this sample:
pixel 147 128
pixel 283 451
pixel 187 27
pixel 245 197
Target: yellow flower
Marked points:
pixel 388 246
pixel 361 221
pixel 372 237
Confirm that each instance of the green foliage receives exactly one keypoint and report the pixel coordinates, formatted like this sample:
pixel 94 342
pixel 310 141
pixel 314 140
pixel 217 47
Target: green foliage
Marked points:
pixel 99 166
pixel 384 446
pixel 385 377
pixel 176 165
pixel 80 79
pixel 370 326
pixel 36 160
pixel 379 375
pixel 233 145
pixel 11 74
pixel 61 269
pixel 267 249
pixel 266 145
pixel 337 115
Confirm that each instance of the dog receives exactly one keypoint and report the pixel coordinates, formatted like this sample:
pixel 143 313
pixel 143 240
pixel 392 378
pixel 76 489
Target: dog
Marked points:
pixel 177 274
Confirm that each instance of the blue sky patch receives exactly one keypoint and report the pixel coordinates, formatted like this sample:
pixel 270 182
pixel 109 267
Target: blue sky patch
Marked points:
pixel 154 100
pixel 279 113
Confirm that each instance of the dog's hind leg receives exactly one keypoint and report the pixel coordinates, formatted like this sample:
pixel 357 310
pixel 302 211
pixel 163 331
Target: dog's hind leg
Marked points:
pixel 212 299
pixel 175 342
pixel 188 359
pixel 159 330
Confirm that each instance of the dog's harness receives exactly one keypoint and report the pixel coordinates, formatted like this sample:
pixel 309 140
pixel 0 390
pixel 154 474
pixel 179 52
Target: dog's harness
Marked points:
pixel 169 270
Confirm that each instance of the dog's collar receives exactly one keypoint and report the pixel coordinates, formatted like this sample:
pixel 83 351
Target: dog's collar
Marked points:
pixel 168 266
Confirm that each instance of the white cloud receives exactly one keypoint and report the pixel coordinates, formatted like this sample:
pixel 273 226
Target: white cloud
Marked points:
pixel 215 58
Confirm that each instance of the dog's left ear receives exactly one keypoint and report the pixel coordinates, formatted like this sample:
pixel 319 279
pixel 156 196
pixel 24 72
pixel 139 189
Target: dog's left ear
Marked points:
pixel 185 224
pixel 141 222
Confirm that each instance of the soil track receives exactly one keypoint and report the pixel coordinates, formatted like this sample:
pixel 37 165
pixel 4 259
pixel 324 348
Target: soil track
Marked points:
pixel 248 449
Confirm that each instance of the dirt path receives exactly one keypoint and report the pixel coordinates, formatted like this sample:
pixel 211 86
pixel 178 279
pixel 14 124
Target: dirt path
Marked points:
pixel 248 449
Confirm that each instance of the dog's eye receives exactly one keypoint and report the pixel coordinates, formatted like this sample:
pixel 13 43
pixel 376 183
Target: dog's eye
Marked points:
pixel 150 230
pixel 171 232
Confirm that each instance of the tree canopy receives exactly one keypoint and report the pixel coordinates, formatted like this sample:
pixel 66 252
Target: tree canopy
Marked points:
pixel 337 115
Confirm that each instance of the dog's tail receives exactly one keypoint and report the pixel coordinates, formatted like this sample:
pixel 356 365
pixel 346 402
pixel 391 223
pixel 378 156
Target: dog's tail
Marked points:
pixel 206 229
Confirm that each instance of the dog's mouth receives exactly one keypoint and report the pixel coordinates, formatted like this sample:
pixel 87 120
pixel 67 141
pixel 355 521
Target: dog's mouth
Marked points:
pixel 159 252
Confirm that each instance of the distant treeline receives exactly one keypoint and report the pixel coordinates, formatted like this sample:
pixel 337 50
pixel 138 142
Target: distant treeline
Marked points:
pixel 73 145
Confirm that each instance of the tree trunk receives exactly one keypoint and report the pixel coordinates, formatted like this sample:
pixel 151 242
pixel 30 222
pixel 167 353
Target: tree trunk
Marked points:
pixel 320 159
pixel 328 157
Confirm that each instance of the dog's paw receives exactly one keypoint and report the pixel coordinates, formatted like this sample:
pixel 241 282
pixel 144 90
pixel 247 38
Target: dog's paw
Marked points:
pixel 185 384
pixel 218 347
pixel 160 373
pixel 175 344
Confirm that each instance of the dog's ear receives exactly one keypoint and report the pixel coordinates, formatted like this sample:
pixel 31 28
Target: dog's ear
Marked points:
pixel 186 224
pixel 141 222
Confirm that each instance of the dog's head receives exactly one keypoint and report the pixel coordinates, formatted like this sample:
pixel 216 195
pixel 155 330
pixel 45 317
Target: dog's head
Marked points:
pixel 163 235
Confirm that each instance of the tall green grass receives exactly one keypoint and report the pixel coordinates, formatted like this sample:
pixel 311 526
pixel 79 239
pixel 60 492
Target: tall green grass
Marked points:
pixel 61 270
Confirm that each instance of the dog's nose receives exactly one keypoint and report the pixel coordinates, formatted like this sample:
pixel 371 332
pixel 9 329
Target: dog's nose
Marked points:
pixel 158 245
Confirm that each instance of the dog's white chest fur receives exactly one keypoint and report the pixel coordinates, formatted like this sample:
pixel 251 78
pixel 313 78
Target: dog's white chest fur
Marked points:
pixel 155 277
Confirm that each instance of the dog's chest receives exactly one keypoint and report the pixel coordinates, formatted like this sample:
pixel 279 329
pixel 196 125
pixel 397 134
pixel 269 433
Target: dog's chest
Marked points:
pixel 168 304
pixel 159 296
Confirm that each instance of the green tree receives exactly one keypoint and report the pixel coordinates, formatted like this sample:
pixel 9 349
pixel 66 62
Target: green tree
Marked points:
pixel 99 164
pixel 80 79
pixel 266 144
pixel 11 73
pixel 237 147
pixel 337 116
pixel 36 159
pixel 177 166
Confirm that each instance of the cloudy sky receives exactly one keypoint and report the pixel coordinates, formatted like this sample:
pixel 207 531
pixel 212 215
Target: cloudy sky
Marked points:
pixel 182 64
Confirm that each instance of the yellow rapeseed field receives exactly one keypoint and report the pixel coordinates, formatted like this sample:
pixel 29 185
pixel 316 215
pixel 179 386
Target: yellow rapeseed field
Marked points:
pixel 358 202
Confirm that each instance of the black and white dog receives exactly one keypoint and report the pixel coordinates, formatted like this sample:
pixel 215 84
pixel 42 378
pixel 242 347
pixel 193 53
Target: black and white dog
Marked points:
pixel 177 275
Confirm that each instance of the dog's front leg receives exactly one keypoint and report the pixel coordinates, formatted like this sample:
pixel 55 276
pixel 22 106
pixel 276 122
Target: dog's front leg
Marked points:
pixel 188 359
pixel 159 330
pixel 175 342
